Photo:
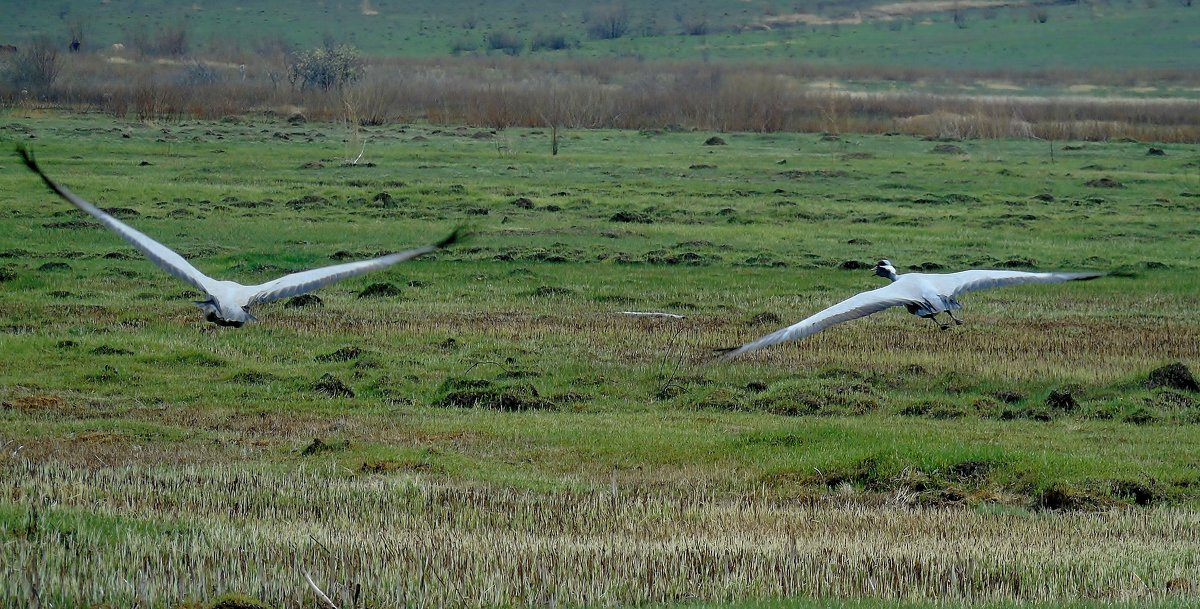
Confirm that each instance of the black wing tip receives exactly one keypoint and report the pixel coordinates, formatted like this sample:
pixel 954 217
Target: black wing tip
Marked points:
pixel 1088 276
pixel 456 235
pixel 27 156
pixel 723 354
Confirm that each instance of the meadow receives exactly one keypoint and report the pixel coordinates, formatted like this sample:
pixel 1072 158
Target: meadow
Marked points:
pixel 980 35
pixel 485 427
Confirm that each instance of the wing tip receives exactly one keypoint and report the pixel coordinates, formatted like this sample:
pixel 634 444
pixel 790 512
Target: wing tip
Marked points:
pixel 27 156
pixel 724 354
pixel 456 235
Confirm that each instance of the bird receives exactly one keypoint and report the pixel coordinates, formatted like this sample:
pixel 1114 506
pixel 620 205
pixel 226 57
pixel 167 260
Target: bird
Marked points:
pixel 924 294
pixel 228 303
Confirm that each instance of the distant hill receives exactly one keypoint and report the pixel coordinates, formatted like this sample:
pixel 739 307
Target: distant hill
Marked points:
pixel 968 34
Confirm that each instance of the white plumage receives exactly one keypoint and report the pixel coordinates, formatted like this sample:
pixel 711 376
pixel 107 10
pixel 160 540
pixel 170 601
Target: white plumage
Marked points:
pixel 923 294
pixel 229 302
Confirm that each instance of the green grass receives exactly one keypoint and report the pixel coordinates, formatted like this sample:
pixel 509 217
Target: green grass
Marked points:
pixel 1072 36
pixel 149 439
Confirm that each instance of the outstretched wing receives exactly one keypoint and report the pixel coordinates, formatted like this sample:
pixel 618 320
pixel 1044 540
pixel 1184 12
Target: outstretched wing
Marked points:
pixel 952 284
pixel 854 307
pixel 158 253
pixel 307 281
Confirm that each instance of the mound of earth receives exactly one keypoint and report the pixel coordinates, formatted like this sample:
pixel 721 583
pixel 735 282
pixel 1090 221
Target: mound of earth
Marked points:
pixel 303 300
pixel 1174 376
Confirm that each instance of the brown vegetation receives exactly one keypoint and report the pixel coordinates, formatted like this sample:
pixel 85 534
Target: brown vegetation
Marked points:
pixel 502 92
pixel 399 537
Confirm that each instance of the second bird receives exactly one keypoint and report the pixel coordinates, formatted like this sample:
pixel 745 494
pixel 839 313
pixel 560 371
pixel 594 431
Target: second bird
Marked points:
pixel 923 294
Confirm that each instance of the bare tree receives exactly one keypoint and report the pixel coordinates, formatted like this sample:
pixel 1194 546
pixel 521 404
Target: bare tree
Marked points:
pixel 607 21
pixel 37 67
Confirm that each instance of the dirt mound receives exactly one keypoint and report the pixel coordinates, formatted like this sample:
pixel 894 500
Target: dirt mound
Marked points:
pixel 1062 399
pixel 523 203
pixel 1156 152
pixel 766 317
pixel 1174 376
pixel 948 149
pixel 384 200
pixel 252 377
pixel 303 300
pixel 482 393
pixel 308 201
pixel 1104 183
pixel 379 290
pixel 714 141
pixel 333 387
pixel 108 350
pixel 344 354
pixel 318 446
pixel 1062 498
pixel 629 216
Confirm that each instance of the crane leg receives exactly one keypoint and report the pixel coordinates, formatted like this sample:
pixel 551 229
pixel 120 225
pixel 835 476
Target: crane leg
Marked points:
pixel 957 321
pixel 941 325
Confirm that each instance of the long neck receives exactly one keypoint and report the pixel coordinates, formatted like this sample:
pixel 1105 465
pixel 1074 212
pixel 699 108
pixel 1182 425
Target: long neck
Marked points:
pixel 890 274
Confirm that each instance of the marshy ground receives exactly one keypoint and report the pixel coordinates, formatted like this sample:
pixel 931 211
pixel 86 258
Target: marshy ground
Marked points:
pixel 484 427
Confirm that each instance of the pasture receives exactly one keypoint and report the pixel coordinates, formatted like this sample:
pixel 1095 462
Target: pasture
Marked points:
pixel 979 35
pixel 484 427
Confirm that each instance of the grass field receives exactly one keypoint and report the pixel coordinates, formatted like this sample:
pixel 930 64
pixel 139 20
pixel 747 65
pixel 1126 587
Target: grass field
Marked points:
pixel 997 35
pixel 489 429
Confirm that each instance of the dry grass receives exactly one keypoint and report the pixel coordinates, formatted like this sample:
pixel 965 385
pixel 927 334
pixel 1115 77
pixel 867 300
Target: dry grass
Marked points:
pixel 157 537
pixel 501 93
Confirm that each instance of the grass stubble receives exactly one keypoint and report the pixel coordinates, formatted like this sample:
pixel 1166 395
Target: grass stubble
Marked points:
pixel 151 459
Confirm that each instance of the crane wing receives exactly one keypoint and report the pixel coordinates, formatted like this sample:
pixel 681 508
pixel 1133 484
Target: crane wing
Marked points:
pixel 952 284
pixel 158 253
pixel 861 305
pixel 307 281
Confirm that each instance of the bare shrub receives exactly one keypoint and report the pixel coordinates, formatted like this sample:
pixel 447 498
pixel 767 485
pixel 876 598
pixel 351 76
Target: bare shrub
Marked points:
pixel 36 67
pixel 326 68
pixel 375 101
pixel 463 46
pixel 505 42
pixel 198 74
pixel 552 41
pixel 168 41
pixel 172 40
pixel 607 21
pixel 696 25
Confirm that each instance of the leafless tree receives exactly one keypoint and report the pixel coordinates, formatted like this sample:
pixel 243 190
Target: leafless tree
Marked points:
pixel 607 21
pixel 37 66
